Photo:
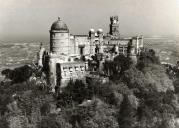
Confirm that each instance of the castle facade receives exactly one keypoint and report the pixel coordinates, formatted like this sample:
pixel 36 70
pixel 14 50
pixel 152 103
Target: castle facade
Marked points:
pixel 69 55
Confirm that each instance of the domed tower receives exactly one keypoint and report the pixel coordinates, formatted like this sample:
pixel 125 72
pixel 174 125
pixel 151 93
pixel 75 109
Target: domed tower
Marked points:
pixel 92 38
pixel 59 38
pixel 100 33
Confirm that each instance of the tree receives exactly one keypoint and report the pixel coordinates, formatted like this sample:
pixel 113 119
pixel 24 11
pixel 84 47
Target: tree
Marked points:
pixel 3 123
pixel 18 75
pixel 156 75
pixel 135 80
pixel 117 67
pixel 156 109
pixel 97 114
pixel 127 115
pixel 146 58
pixel 54 121
pixel 122 63
pixel 75 92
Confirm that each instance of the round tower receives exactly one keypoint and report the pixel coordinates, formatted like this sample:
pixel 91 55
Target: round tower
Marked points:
pixel 59 37
pixel 91 38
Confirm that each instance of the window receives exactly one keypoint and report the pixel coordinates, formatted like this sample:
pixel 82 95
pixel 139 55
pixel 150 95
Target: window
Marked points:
pixel 76 69
pixel 70 69
pixel 82 68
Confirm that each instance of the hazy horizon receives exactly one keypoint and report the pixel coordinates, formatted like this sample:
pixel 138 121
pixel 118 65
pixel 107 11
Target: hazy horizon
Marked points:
pixel 30 20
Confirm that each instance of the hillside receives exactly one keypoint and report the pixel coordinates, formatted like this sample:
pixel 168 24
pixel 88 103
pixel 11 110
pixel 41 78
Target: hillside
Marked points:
pixel 137 96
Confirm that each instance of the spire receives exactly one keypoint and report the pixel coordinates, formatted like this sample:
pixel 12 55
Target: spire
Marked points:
pixel 41 45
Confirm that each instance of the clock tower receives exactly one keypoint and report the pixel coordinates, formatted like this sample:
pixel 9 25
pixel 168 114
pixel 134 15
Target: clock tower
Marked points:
pixel 114 27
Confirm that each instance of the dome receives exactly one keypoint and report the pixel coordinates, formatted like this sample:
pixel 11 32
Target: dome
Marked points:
pixel 92 30
pixel 59 25
pixel 100 31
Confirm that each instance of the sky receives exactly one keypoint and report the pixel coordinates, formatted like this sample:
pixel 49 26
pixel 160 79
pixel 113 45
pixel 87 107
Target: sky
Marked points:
pixel 30 20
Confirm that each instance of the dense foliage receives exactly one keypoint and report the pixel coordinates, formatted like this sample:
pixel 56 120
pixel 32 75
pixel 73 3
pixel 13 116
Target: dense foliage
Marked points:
pixel 137 96
pixel 18 75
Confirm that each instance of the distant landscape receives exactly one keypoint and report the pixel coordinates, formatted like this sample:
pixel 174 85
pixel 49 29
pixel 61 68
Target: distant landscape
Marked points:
pixel 17 54
pixel 167 48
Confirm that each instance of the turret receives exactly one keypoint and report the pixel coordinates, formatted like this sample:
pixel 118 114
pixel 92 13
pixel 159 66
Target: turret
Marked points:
pixel 100 33
pixel 40 56
pixel 91 38
pixel 91 33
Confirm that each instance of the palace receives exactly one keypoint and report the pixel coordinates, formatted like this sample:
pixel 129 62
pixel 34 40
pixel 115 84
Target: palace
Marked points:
pixel 72 56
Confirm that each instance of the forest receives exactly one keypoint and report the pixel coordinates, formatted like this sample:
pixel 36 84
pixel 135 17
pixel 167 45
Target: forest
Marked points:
pixel 144 95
